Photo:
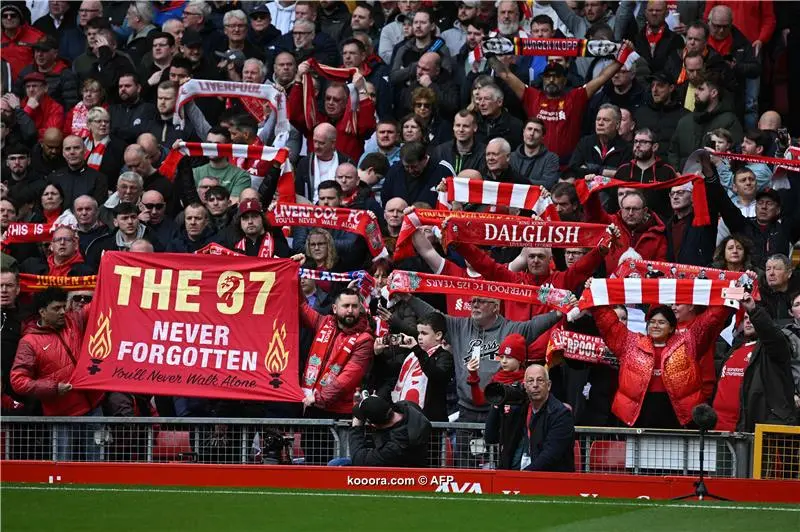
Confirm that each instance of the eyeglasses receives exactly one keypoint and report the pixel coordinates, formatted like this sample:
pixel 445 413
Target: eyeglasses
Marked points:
pixel 10 15
pixel 63 240
pixel 236 26
pixel 153 206
pixel 424 105
pixel 82 299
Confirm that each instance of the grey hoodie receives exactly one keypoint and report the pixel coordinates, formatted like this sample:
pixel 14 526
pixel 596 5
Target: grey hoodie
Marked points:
pixel 464 334
pixel 541 169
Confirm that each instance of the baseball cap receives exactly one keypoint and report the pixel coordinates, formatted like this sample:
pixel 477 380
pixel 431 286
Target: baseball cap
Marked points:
pixel 192 39
pixel 17 149
pixel 769 193
pixel 234 56
pixel 556 68
pixel 126 207
pixel 250 205
pixel 45 44
pixel 374 409
pixel 663 77
pixel 35 77
pixel 260 8
pixel 514 346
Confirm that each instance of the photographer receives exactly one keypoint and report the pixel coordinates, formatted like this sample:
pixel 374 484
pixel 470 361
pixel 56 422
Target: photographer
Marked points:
pixel 534 429
pixel 401 434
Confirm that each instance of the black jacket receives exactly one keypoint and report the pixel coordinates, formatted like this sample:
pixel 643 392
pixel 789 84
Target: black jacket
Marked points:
pixel 447 152
pixel 661 119
pixel 698 243
pixel 588 157
pixel 109 243
pixel 112 162
pixel 302 176
pixel 76 183
pixel 667 54
pixel 232 235
pixel 506 126
pixel 126 118
pixel 439 370
pixel 631 100
pixel 399 184
pixel 552 430
pixel 402 445
pixel 108 68
pixel 181 243
pixel 767 389
pixel 657 200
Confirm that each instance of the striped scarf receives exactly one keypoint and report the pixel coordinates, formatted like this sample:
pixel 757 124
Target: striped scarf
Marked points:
pixel 509 195
pixel 95 152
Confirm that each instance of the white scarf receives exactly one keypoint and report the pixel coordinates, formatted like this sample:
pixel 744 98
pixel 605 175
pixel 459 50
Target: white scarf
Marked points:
pixel 316 174
pixel 412 382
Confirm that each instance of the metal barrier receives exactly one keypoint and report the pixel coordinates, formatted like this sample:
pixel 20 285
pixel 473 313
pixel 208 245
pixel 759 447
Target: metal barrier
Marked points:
pixel 315 442
pixel 776 452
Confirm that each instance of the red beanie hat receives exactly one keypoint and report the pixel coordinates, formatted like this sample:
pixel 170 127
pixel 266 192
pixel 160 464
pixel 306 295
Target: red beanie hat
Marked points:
pixel 515 346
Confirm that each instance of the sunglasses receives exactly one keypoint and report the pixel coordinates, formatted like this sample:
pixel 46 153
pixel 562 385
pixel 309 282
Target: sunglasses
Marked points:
pixel 10 15
pixel 259 16
pixel 424 105
pixel 82 299
pixel 154 206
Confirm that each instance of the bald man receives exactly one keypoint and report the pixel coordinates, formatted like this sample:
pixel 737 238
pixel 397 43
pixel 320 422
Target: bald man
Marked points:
pixel 46 154
pixel 321 164
pixel 137 160
pixel 393 214
pixel 544 421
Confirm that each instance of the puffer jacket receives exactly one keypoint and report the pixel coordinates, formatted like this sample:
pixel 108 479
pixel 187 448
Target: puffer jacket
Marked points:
pixel 680 370
pixel 337 395
pixel 46 357
pixel 17 50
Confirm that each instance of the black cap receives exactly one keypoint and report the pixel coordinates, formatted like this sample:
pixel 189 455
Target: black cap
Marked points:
pixel 192 39
pixel 374 409
pixel 126 208
pixel 556 68
pixel 45 44
pixel 769 193
pixel 17 149
pixel 260 8
pixel 663 77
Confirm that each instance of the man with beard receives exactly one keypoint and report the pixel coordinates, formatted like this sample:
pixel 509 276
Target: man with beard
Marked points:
pixel 562 112
pixel 565 199
pixel 231 177
pixel 87 214
pixel 46 155
pixel 711 111
pixel 128 115
pixel 162 126
pixel 153 215
pixel 24 185
pixel 340 356
pixel 661 111
pixel 252 236
pixel 77 178
pixel 464 152
pixel 456 37
pixel 196 232
pixel 647 167
pixel 531 160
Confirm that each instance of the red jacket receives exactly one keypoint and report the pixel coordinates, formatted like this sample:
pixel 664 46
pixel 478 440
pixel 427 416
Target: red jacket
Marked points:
pixel 49 114
pixel 46 357
pixel 755 19
pixel 571 279
pixel 337 396
pixel 680 371
pixel 64 268
pixel 705 358
pixel 16 51
pixel 649 239
pixel 350 144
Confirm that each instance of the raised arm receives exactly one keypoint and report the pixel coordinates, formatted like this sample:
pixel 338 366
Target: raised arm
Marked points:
pixel 502 71
pixel 428 253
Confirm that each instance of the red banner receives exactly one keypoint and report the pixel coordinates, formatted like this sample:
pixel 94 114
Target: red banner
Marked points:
pixel 358 221
pixel 193 325
pixel 518 231
pixel 26 233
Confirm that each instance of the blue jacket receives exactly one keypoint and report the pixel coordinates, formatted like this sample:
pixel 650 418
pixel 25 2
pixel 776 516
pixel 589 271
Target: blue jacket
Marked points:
pixel 552 442
pixel 399 184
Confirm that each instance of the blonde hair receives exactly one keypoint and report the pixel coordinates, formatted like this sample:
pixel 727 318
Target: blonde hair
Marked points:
pixel 332 257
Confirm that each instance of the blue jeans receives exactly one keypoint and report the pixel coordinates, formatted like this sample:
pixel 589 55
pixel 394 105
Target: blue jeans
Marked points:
pixel 78 442
pixel 340 462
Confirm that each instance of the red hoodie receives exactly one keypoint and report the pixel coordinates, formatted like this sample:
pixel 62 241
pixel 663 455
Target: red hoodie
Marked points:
pixel 63 268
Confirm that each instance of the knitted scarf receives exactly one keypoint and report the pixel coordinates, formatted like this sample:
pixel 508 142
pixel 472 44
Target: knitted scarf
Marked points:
pixel 422 283
pixel 478 191
pixel 252 92
pixel 361 222
pixel 343 75
pixel 259 152
pixel 518 231
pixel 27 233
pixel 509 377
pixel 650 269
pixel 791 165
pixel 265 250
pixel 36 283
pixel 95 152
pixel 699 200
pixel 577 346
pixel 412 383
pixel 323 364
pixel 532 46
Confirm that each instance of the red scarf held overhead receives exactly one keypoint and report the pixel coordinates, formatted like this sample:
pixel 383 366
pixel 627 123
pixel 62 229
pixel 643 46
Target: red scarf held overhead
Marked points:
pixel 518 231
pixel 792 165
pixel 343 75
pixel 423 283
pixel 702 216
pixel 651 269
pixel 577 346
pixel 323 364
pixel 360 222
pixel 479 191
pixel 36 283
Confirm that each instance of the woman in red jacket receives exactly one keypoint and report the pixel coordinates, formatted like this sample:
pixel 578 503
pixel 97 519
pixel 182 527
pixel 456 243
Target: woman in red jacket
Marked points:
pixel 659 376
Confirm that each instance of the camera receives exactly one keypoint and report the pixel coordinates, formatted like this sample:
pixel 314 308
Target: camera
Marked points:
pixel 500 394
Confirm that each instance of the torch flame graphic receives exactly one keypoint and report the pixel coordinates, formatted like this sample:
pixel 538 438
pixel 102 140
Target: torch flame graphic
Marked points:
pixel 100 341
pixel 277 357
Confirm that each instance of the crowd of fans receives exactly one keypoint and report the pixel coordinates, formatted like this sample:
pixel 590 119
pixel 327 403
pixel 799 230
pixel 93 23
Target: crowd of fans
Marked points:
pixel 88 109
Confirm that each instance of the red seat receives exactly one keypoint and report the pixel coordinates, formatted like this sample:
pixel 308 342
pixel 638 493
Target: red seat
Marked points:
pixel 607 456
pixel 171 444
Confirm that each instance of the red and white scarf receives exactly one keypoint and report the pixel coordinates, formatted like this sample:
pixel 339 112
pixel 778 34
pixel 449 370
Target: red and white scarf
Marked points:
pixel 423 283
pixel 531 46
pixel 80 121
pixel 323 366
pixel 509 195
pixel 702 215
pixel 577 346
pixel 344 75
pixel 233 152
pixel 361 222
pixel 518 231
pixel 95 152
pixel 651 269
pixel 265 251
pixel 195 88
pixel 412 383
pixel 704 292
pixel 790 162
